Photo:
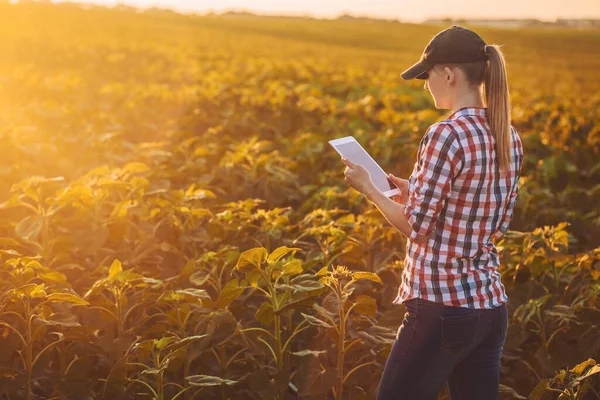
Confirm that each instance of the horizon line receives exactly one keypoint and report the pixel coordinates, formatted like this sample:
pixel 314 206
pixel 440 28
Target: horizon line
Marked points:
pixel 211 11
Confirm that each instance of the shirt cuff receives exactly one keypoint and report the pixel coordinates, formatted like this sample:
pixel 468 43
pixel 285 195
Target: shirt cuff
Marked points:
pixel 498 234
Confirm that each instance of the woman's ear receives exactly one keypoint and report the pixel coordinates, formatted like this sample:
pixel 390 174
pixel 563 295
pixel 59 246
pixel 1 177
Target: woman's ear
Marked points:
pixel 449 74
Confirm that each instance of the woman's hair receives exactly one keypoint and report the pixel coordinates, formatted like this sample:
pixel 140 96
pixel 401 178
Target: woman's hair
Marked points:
pixel 493 74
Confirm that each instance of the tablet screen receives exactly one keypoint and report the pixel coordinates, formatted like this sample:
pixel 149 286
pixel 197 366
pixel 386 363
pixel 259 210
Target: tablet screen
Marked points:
pixel 355 153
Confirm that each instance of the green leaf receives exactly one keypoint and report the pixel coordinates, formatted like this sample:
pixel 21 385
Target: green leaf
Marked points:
pixel 229 293
pixel 316 321
pixel 12 202
pixel 174 346
pixel 264 314
pixel 561 375
pixel 560 310
pixel 331 303
pixel 303 287
pixel 292 268
pixel 366 275
pixel 251 259
pixel 594 370
pixel 64 319
pixel 153 371
pixel 66 298
pixel 53 276
pixel 24 290
pixel 322 272
pixel 539 390
pixel 130 276
pixel 115 270
pixel 200 277
pixel 348 219
pixel 10 242
pixel 303 353
pixel 29 228
pixel 33 264
pixel 579 368
pixel 366 305
pixel 134 167
pixel 10 252
pixel 9 373
pixel 253 277
pixel 207 380
pixel 144 348
pixel 506 389
pixel 280 252
pixel 38 291
pixel 316 381
pixel 163 342
pixel 306 302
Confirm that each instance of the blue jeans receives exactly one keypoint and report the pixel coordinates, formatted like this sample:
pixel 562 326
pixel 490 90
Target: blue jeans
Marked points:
pixel 437 344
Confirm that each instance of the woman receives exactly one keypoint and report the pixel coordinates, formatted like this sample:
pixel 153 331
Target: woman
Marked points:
pixel 459 197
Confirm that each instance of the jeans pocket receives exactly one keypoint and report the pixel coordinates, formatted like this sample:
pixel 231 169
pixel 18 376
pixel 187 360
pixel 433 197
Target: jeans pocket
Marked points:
pixel 459 332
pixel 407 326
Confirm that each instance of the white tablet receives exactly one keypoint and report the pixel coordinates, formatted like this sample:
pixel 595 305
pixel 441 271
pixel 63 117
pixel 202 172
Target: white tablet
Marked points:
pixel 352 150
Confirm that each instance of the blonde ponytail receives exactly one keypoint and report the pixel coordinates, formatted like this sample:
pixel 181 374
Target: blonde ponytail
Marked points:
pixel 498 105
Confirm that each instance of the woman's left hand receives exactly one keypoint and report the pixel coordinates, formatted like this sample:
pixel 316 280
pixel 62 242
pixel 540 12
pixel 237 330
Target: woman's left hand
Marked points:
pixel 358 177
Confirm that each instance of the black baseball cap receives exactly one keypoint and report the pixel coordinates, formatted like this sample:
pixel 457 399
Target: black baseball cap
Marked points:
pixel 452 45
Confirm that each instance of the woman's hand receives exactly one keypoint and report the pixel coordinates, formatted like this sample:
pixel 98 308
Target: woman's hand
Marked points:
pixel 401 198
pixel 358 177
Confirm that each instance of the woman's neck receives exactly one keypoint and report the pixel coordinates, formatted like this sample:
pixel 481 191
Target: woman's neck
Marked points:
pixel 468 99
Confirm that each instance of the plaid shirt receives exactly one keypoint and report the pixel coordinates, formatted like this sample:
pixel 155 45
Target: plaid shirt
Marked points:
pixel 457 203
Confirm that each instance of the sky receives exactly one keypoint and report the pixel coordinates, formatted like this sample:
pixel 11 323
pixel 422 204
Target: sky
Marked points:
pixel 403 10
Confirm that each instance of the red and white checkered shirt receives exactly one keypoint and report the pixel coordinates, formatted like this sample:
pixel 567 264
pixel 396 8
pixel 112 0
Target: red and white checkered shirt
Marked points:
pixel 457 202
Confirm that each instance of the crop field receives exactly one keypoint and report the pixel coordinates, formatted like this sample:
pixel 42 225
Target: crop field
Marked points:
pixel 174 224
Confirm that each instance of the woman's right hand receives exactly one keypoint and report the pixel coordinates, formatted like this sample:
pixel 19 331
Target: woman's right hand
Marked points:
pixel 401 198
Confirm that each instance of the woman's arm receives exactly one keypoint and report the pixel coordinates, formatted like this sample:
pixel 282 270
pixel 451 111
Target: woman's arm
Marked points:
pixel 358 177
pixel 391 210
pixel 441 158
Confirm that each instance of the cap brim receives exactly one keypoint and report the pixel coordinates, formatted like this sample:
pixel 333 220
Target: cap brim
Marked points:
pixel 416 71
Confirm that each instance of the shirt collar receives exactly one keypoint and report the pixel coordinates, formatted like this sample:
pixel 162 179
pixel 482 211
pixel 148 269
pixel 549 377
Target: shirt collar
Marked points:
pixel 473 111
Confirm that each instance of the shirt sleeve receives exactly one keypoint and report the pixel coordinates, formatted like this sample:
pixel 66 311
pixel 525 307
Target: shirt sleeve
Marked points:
pixel 509 212
pixel 440 159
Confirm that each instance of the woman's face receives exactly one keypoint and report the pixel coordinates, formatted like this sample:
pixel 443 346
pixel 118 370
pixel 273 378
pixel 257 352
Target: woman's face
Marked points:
pixel 438 84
